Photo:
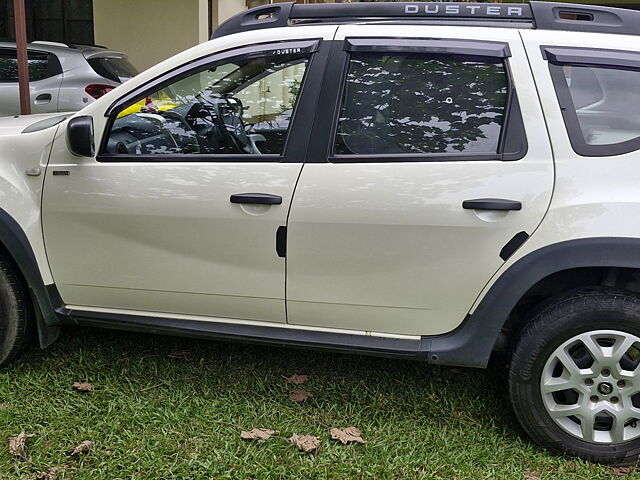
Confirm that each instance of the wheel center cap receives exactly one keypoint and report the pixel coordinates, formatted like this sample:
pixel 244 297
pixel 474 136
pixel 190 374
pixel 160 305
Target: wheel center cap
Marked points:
pixel 605 388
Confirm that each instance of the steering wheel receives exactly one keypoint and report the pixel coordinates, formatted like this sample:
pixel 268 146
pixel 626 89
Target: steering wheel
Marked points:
pixel 227 117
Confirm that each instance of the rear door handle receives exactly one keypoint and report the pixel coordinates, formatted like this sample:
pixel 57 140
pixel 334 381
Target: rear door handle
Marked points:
pixel 491 204
pixel 256 198
pixel 43 98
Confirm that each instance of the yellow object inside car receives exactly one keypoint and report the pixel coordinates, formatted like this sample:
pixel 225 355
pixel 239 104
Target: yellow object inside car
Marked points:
pixel 162 103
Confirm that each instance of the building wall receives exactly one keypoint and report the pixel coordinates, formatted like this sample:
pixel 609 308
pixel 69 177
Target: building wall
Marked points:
pixel 224 9
pixel 151 30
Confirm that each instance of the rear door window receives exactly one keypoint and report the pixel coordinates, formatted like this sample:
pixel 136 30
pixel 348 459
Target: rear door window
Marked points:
pixel 406 103
pixel 41 65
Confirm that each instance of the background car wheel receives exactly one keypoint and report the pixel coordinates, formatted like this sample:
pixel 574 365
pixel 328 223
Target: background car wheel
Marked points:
pixel 574 376
pixel 16 317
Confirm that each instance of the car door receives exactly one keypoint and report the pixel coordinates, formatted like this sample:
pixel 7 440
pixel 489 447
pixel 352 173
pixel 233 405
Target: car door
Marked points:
pixel 45 77
pixel 180 211
pixel 432 165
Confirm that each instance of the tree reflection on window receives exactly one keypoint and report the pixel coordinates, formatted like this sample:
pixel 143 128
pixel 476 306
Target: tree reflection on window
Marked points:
pixel 421 104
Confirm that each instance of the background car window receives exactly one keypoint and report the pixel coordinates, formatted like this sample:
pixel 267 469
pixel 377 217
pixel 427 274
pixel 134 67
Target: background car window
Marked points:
pixel 41 66
pixel 421 104
pixel 239 107
pixel 114 68
pixel 605 101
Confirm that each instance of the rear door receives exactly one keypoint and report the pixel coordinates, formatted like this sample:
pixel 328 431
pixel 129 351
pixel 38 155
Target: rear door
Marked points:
pixel 45 77
pixel 431 166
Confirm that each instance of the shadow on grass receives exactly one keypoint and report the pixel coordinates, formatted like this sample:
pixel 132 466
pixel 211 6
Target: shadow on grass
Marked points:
pixel 380 386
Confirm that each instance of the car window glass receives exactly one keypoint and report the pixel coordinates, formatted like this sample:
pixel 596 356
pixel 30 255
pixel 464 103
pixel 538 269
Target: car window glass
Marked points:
pixel 421 104
pixel 113 68
pixel 237 107
pixel 605 101
pixel 38 66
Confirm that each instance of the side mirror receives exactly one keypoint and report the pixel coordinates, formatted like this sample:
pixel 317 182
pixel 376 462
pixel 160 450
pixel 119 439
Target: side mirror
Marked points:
pixel 80 136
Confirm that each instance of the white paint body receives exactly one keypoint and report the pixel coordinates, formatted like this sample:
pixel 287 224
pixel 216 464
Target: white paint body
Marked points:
pixel 383 249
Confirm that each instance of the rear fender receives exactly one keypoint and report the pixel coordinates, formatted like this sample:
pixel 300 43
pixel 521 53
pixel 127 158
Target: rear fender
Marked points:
pixel 472 343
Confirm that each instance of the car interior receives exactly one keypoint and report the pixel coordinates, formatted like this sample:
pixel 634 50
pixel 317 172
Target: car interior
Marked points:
pixel 243 107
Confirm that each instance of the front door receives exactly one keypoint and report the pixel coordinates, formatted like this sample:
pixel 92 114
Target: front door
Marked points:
pixel 180 211
pixel 429 172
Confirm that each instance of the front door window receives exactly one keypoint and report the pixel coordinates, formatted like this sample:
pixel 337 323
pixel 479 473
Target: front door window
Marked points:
pixel 238 107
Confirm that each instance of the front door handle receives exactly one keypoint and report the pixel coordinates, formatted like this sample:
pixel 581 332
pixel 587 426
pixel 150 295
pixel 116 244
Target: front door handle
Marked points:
pixel 491 204
pixel 256 198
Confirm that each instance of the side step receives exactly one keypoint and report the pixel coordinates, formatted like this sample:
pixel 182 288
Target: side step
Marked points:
pixel 302 338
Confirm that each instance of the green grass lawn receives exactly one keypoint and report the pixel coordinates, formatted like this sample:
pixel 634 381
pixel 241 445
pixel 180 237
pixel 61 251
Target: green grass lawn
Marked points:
pixel 168 408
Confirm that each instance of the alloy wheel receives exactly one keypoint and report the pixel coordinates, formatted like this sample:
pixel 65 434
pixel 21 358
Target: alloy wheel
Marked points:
pixel 590 386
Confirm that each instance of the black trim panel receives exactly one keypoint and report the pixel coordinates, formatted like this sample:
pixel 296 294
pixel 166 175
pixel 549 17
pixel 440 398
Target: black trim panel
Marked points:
pixel 281 241
pixel 513 245
pixel 187 158
pixel 47 297
pixel 439 46
pixel 596 57
pixel 293 337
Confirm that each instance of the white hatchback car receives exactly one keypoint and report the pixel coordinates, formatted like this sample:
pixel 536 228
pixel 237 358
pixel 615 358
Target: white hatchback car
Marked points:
pixel 435 181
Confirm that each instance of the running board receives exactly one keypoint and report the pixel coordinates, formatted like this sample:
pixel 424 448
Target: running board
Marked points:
pixel 302 338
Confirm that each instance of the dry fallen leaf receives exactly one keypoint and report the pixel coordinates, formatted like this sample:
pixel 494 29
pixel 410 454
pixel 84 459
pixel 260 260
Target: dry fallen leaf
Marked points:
pixel 622 471
pixel 346 435
pixel 298 379
pixel 18 445
pixel 259 434
pixel 52 474
pixel 5 405
pixel 300 395
pixel 305 443
pixel 531 475
pixel 84 447
pixel 83 387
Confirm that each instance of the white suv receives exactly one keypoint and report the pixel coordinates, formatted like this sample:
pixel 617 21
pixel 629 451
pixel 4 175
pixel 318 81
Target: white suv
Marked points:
pixel 435 181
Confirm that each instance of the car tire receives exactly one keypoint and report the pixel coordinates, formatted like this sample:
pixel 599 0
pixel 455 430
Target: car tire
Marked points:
pixel 573 376
pixel 17 326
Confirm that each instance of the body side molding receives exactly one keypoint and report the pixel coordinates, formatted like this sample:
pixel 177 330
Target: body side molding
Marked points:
pixel 304 338
pixel 471 344
pixel 16 243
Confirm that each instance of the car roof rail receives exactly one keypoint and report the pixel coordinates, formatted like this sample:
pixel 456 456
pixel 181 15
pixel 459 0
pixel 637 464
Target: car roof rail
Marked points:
pixel 585 18
pixel 539 14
